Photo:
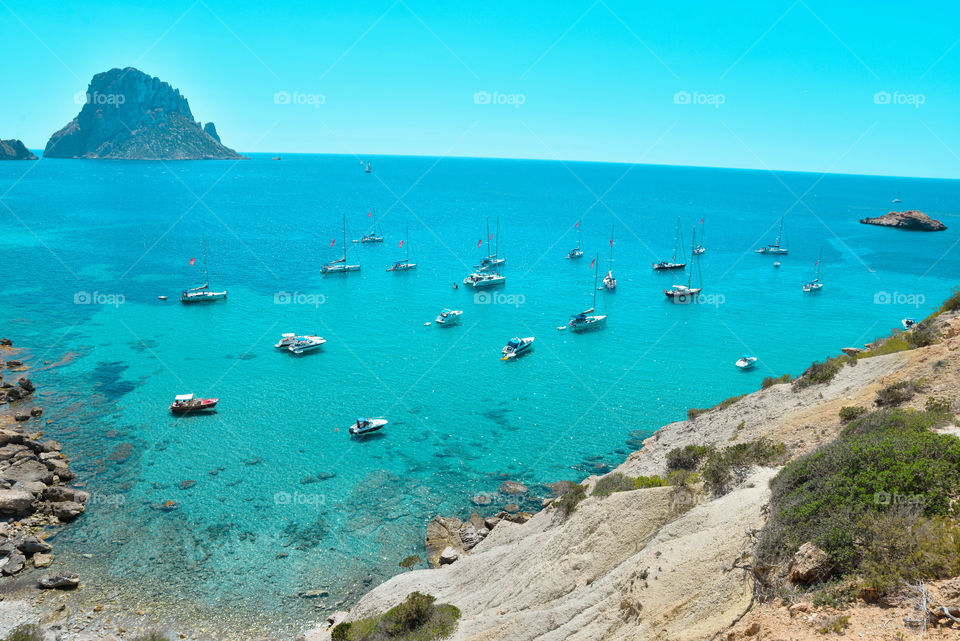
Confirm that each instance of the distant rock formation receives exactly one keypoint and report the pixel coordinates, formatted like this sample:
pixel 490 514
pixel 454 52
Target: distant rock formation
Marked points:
pixel 129 115
pixel 910 220
pixel 211 131
pixel 15 150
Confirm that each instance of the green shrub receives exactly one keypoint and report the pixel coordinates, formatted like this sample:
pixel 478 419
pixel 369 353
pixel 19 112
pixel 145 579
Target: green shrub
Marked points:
pixel 876 461
pixel 25 632
pixel 152 635
pixel 693 413
pixel 723 468
pixel 898 393
pixel 418 618
pixel 570 497
pixel 922 334
pixel 820 373
pixel 682 478
pixel 686 458
pixel 411 561
pixel 848 413
pixel 835 624
pixel 770 381
pixel 618 482
pixel 952 304
pixel 939 405
pixel 644 482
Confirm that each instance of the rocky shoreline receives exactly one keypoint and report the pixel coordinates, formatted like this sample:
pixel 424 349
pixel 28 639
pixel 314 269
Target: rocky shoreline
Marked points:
pixel 35 477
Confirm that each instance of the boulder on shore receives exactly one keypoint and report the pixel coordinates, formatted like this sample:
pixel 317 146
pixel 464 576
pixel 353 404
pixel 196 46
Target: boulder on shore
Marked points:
pixel 909 220
pixel 59 580
pixel 809 563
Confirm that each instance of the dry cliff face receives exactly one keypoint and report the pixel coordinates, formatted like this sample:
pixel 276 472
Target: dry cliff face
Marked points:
pixel 15 150
pixel 128 114
pixel 652 564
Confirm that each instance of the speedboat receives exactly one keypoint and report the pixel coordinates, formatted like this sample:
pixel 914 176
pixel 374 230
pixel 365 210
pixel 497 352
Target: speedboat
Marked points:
pixel 306 344
pixel 516 346
pixel 776 264
pixel 449 317
pixel 367 426
pixel 746 362
pixel 184 403
pixel 479 280
pixel 587 320
pixel 161 298
pixel 908 323
pixel 286 340
pixel 682 293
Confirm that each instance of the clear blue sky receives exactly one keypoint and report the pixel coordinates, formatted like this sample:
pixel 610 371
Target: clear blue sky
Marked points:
pixel 797 80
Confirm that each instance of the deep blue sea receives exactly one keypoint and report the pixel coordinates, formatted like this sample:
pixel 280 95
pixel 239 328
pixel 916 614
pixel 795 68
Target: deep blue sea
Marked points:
pixel 274 497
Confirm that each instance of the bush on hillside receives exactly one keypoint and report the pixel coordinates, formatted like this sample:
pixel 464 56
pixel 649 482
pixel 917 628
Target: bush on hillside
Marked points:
pixel 898 393
pixel 418 618
pixel 848 413
pixel 820 373
pixel 686 458
pixel 25 632
pixel 727 467
pixel 770 381
pixel 570 496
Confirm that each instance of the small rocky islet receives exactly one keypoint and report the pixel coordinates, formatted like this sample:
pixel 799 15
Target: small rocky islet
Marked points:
pixel 14 149
pixel 909 220
pixel 35 494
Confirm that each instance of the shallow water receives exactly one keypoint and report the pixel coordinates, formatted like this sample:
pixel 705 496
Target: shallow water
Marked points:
pixel 282 500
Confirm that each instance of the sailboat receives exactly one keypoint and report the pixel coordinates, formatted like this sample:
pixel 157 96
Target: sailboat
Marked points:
pixel 672 263
pixel 368 170
pixel 609 282
pixel 815 285
pixel 405 264
pixel 699 250
pixel 373 236
pixel 576 252
pixel 203 293
pixel 589 319
pixel 776 247
pixel 491 260
pixel 686 293
pixel 340 265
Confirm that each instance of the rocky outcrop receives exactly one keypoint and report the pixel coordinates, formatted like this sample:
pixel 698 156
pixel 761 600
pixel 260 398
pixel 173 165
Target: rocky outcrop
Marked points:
pixel 211 130
pixel 15 150
pixel 129 115
pixel 909 220
pixel 808 564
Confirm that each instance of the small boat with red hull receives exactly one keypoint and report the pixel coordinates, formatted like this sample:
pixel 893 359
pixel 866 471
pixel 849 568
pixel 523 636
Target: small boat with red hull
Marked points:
pixel 185 403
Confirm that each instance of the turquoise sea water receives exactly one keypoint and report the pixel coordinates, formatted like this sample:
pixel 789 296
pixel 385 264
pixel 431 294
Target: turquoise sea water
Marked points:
pixel 282 500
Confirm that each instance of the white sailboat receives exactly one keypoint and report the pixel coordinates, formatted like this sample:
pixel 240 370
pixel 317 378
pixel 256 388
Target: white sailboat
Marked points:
pixel 493 260
pixel 482 278
pixel 687 293
pixel 405 264
pixel 340 265
pixel 374 236
pixel 700 249
pixel 672 263
pixel 368 170
pixel 588 319
pixel 203 294
pixel 609 282
pixel 816 284
pixel 775 247
pixel 576 252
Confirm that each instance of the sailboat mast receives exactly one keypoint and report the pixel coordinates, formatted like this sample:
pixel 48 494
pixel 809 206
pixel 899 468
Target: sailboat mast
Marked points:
pixel 344 239
pixel 496 248
pixel 693 246
pixel 676 240
pixel 407 242
pixel 780 233
pixel 579 234
pixel 611 247
pixel 206 271
pixel 596 271
pixel 488 236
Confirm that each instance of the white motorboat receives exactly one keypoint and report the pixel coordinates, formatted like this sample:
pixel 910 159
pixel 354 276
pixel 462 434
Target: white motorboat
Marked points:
pixel 908 323
pixel 746 362
pixel 286 340
pixel 306 344
pixel 203 293
pixel 516 346
pixel 449 317
pixel 367 426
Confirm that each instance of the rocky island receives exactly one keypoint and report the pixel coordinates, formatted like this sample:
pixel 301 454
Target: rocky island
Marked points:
pixel 909 220
pixel 130 115
pixel 15 150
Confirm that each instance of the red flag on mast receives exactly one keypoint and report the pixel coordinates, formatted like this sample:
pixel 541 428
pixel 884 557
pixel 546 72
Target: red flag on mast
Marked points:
pixel 333 242
pixel 401 244
pixel 480 243
pixel 611 242
pixel 193 260
pixel 578 224
pixel 592 262
pixel 369 214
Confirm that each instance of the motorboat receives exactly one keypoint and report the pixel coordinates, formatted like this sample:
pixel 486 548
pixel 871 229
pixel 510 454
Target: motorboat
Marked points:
pixel 908 323
pixel 449 317
pixel 306 344
pixel 367 426
pixel 185 403
pixel 746 362
pixel 516 346
pixel 286 340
